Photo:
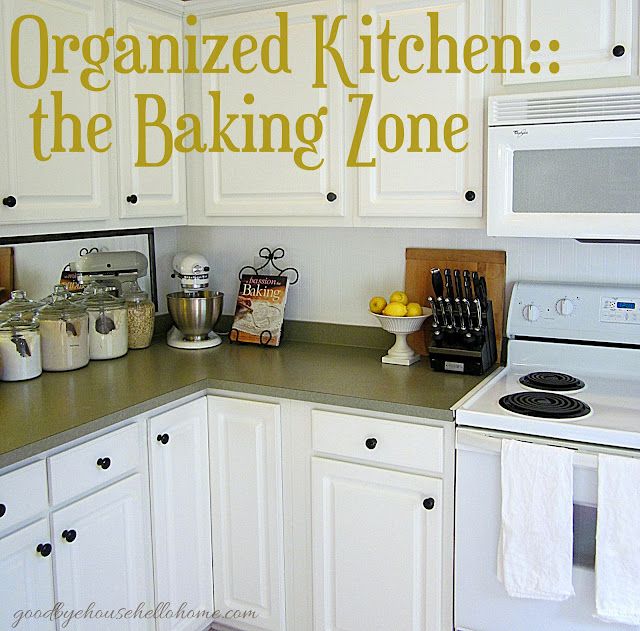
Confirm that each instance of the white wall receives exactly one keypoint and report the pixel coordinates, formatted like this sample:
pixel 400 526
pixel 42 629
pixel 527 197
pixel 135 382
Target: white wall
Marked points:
pixel 341 269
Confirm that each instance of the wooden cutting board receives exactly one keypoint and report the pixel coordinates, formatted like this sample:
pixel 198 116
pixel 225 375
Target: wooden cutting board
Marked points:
pixel 6 273
pixel 491 264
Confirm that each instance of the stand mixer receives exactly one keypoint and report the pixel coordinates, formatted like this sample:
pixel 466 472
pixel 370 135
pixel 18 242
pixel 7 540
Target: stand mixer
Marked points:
pixel 195 310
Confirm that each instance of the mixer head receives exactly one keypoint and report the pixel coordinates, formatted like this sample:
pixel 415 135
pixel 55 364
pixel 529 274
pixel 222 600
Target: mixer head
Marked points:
pixel 192 270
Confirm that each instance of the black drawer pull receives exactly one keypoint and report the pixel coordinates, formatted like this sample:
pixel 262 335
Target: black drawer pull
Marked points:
pixel 69 535
pixel 132 199
pixel 163 438
pixel 3 510
pixel 10 201
pixel 104 463
pixel 429 503
pixel 44 549
pixel 470 196
pixel 371 443
pixel 331 197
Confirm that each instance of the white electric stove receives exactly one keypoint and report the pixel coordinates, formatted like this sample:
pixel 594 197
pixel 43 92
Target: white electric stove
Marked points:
pixel 573 368
pixel 573 380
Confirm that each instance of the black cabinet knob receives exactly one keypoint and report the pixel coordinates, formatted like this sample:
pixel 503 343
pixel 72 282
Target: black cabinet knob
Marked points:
pixel 371 443
pixel 104 463
pixel 470 196
pixel 10 201
pixel 44 549
pixel 3 510
pixel 618 50
pixel 331 197
pixel 69 535
pixel 163 438
pixel 429 503
pixel 132 199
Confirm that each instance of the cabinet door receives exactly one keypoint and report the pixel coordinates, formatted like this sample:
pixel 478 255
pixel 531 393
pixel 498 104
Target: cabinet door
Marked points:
pixel 377 551
pixel 105 555
pixel 260 186
pixel 26 578
pixel 246 481
pixel 74 185
pixel 595 36
pixel 152 191
pixel 422 188
pixel 181 511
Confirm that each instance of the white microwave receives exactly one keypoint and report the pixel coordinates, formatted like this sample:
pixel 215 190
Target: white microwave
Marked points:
pixel 565 164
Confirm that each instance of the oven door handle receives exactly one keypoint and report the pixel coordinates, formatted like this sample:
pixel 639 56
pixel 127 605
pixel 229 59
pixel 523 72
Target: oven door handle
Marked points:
pixel 487 442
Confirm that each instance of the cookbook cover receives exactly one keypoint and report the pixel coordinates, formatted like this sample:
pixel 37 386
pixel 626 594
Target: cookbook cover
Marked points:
pixel 260 310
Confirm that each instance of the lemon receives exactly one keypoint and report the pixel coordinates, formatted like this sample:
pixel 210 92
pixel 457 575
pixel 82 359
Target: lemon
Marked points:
pixel 399 296
pixel 377 304
pixel 395 309
pixel 414 309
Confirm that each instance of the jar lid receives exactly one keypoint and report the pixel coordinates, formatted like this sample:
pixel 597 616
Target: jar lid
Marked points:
pixel 134 293
pixel 98 297
pixel 19 307
pixel 60 307
pixel 18 322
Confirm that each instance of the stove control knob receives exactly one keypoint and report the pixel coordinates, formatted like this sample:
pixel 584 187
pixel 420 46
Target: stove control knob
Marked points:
pixel 564 307
pixel 531 313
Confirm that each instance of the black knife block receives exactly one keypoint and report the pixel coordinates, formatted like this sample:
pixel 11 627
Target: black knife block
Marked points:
pixel 452 354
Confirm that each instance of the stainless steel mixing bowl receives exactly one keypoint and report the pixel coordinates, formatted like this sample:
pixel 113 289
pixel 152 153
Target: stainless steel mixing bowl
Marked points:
pixel 195 314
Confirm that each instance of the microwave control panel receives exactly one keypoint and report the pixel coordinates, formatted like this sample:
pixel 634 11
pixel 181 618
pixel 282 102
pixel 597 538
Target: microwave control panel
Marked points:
pixel 621 310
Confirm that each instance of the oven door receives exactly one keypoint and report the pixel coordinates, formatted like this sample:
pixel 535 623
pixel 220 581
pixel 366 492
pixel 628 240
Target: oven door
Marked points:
pixel 481 602
pixel 577 180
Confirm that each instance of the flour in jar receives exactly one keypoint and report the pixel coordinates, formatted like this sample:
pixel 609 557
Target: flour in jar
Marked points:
pixel 65 343
pixel 108 333
pixel 20 355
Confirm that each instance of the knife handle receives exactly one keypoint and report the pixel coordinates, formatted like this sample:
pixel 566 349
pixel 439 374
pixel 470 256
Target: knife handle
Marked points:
pixel 485 294
pixel 448 283
pixel 432 305
pixel 458 279
pixel 468 293
pixel 436 281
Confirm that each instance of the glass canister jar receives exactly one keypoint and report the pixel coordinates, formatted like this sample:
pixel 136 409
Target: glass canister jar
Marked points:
pixel 141 313
pixel 108 326
pixel 64 330
pixel 20 354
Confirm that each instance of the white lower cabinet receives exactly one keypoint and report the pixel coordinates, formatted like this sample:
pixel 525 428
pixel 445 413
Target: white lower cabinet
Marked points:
pixel 246 500
pixel 101 550
pixel 180 512
pixel 377 549
pixel 26 578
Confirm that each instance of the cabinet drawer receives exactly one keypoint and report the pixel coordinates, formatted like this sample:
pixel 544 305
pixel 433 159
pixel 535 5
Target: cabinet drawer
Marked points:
pixel 23 494
pixel 391 443
pixel 92 464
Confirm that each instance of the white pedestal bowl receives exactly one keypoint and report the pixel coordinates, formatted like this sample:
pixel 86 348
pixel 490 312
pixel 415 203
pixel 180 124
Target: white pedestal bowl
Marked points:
pixel 401 353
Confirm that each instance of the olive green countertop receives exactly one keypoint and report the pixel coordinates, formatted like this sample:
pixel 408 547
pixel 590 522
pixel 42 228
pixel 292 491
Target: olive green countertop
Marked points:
pixel 56 408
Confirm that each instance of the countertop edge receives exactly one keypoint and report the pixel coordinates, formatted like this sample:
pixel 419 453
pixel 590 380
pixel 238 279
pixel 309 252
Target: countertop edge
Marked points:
pixel 32 450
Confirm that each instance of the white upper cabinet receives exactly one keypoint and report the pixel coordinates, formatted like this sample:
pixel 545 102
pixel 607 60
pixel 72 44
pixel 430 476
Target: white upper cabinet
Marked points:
pixel 596 38
pixel 246 500
pixel 260 183
pixel 76 184
pixel 422 188
pixel 181 512
pixel 150 191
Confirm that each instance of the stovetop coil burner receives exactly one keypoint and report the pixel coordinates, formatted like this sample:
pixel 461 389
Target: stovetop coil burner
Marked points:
pixel 555 381
pixel 544 405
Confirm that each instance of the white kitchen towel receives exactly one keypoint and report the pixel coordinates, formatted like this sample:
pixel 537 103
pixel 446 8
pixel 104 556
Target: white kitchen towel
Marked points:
pixel 535 553
pixel 618 540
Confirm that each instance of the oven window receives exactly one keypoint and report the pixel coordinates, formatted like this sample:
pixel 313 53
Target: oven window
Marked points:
pixel 587 180
pixel 584 535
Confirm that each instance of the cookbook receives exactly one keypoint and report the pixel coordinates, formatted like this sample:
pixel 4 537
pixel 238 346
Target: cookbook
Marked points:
pixel 259 312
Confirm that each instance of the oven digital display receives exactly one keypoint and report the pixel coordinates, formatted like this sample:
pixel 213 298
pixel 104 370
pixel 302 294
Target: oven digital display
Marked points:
pixel 626 305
